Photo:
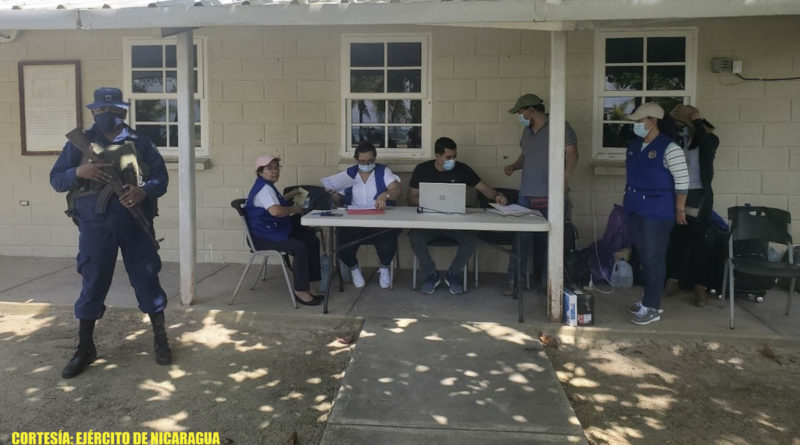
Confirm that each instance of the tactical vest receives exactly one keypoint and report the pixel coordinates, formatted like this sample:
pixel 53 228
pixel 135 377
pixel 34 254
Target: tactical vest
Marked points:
pixel 126 160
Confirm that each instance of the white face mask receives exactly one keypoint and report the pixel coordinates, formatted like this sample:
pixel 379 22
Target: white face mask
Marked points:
pixel 522 121
pixel 639 129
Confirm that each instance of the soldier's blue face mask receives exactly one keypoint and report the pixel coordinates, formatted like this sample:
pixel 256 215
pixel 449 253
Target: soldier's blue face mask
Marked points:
pixel 107 121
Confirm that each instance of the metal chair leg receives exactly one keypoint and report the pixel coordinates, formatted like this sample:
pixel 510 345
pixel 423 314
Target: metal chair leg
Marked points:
pixel 289 284
pixel 261 271
pixel 241 279
pixel 730 287
pixel 475 266
pixel 414 274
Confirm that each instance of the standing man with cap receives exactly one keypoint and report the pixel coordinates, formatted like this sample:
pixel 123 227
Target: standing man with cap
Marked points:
pixel 535 163
pixel 106 224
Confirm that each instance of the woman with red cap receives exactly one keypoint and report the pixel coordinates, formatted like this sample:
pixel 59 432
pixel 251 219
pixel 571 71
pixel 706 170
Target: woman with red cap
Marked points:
pixel 269 216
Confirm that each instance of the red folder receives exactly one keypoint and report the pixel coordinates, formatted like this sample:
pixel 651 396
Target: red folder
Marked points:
pixel 365 211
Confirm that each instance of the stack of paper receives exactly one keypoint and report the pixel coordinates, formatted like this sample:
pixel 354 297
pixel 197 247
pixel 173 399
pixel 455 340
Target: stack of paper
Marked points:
pixel 301 196
pixel 339 182
pixel 513 210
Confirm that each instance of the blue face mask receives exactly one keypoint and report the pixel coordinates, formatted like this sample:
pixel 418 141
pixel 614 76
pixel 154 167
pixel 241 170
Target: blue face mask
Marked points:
pixel 522 121
pixel 449 164
pixel 639 129
pixel 366 168
pixel 107 122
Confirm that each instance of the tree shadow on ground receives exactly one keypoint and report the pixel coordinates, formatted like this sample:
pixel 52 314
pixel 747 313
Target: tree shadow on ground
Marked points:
pixel 662 390
pixel 252 379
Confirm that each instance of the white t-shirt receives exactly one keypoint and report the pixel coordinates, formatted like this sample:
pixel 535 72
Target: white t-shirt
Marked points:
pixel 266 198
pixel 364 192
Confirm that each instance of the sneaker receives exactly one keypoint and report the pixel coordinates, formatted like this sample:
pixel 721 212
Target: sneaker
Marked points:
pixel 431 283
pixel 453 280
pixel 645 315
pixel 634 308
pixel 385 277
pixel 509 289
pixel 358 279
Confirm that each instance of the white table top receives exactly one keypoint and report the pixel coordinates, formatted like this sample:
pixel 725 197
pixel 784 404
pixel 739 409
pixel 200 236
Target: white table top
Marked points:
pixel 404 217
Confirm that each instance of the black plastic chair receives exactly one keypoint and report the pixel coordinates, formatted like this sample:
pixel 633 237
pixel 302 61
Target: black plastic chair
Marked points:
pixel 498 238
pixel 760 226
pixel 238 205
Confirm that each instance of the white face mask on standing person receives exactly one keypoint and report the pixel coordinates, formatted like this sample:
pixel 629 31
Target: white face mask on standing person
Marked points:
pixel 640 129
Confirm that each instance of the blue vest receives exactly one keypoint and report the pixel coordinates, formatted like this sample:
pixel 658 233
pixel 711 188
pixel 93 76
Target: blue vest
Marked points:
pixel 650 188
pixel 262 224
pixel 380 183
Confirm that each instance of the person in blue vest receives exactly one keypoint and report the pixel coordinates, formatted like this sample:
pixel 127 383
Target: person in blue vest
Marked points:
pixel 269 217
pixel 655 199
pixel 106 225
pixel 375 186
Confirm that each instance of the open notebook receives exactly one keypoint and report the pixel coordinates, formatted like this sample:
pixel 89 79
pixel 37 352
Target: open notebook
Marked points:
pixel 513 210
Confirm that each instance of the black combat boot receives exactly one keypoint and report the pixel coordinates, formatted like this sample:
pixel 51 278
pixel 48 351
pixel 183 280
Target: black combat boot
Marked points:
pixel 163 353
pixel 86 353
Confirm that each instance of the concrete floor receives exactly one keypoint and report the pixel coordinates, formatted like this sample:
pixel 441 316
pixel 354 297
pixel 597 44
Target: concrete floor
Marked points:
pixel 460 369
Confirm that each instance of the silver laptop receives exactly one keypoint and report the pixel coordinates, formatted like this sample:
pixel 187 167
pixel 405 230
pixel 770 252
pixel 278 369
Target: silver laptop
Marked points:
pixel 437 197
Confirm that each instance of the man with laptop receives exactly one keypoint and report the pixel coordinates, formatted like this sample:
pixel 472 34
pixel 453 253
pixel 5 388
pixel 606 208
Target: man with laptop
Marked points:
pixel 444 169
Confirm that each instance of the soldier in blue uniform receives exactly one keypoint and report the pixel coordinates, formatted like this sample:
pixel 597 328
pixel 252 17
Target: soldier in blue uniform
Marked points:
pixel 106 224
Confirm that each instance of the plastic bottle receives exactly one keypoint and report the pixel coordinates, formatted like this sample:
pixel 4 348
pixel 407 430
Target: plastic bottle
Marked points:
pixel 622 274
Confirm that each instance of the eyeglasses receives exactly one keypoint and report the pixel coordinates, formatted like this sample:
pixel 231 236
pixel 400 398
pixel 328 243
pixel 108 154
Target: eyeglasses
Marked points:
pixel 272 169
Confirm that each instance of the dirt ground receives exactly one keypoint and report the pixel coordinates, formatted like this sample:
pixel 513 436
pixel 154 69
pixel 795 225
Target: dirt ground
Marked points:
pixel 679 391
pixel 254 381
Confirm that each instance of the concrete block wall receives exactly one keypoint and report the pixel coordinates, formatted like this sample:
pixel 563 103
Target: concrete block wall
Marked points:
pixel 276 90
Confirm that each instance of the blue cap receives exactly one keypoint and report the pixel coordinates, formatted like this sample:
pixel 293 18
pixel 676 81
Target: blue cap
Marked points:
pixel 108 97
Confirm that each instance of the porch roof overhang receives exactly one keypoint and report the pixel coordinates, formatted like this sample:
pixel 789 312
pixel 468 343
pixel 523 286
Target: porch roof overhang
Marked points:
pixel 520 14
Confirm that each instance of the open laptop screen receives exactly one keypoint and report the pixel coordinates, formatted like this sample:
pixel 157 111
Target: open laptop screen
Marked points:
pixel 435 197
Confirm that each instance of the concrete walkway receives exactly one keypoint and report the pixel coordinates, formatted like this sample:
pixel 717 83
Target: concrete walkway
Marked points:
pixel 441 368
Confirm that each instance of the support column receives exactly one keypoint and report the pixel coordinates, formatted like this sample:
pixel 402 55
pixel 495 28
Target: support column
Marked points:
pixel 186 177
pixel 555 239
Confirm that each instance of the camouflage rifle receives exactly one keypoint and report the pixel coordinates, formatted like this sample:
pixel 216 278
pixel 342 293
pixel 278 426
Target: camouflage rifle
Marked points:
pixel 79 140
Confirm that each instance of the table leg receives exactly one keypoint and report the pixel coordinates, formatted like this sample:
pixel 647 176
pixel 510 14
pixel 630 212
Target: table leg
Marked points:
pixel 518 287
pixel 334 266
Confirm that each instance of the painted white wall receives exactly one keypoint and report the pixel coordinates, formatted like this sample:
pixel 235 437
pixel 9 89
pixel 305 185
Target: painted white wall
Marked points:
pixel 276 90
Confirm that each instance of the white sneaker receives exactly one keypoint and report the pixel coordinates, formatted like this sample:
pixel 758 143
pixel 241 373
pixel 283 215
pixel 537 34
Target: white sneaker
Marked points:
pixel 358 279
pixel 385 277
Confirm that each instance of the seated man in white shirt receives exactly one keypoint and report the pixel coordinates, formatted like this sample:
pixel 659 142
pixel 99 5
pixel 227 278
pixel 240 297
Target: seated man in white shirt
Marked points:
pixel 375 186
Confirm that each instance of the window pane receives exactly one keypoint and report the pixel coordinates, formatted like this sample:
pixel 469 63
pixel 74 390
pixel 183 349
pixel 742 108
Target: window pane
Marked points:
pixel 151 111
pixel 173 111
pixel 173 136
pixel 666 77
pixel 147 82
pixel 146 56
pixel 405 137
pixel 368 112
pixel 198 135
pixel 373 135
pixel 404 54
pixel 617 135
pixel 666 49
pixel 628 50
pixel 404 81
pixel 366 54
pixel 171 58
pixel 621 78
pixel 366 81
pixel 156 133
pixel 172 81
pixel 405 111
pixel 617 108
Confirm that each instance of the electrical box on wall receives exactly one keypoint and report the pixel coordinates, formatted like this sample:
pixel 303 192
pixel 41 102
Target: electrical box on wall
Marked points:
pixel 721 65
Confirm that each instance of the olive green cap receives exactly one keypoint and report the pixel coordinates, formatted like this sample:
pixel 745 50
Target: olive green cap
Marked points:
pixel 526 100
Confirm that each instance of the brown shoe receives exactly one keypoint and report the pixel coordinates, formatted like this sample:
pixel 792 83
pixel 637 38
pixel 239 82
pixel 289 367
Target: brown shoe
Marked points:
pixel 509 289
pixel 671 288
pixel 700 296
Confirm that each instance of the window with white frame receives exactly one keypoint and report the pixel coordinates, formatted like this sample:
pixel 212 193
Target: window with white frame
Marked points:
pixel 151 85
pixel 632 67
pixel 386 94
